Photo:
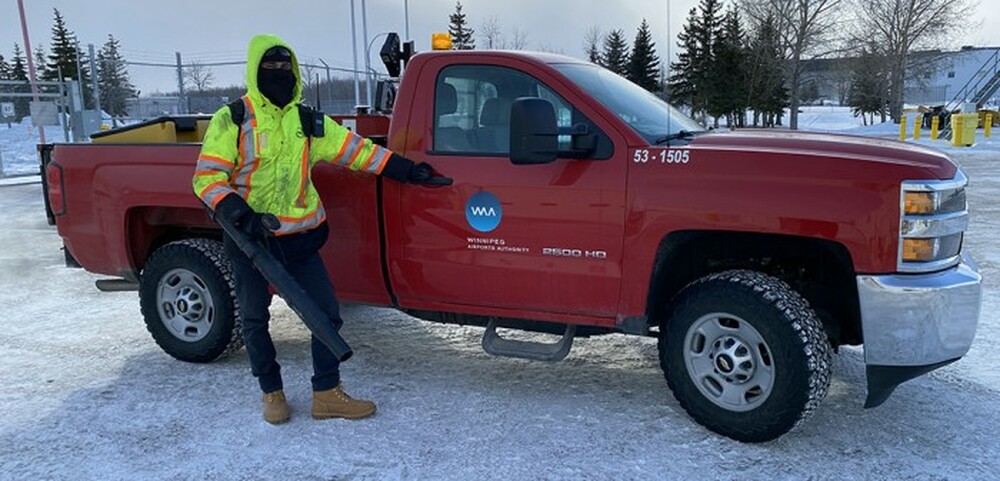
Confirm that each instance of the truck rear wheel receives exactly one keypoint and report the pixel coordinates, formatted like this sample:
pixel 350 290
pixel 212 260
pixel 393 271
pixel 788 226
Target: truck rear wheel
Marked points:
pixel 188 300
pixel 745 355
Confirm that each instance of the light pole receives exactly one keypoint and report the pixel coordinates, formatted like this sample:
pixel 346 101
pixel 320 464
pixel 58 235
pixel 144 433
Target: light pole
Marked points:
pixel 31 64
pixel 354 43
pixel 329 93
pixel 368 65
pixel 406 20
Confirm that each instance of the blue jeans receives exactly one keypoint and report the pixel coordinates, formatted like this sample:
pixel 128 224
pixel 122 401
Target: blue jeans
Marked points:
pixel 299 253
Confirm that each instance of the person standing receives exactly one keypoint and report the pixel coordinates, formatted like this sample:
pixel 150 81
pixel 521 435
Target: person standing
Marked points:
pixel 255 160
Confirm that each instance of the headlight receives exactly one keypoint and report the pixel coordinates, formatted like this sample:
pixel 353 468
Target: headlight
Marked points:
pixel 933 220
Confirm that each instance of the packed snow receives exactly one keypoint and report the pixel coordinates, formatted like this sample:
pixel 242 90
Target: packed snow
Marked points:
pixel 88 395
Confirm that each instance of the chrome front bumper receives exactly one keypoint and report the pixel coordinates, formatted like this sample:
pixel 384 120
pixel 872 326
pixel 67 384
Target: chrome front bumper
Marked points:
pixel 914 323
pixel 914 320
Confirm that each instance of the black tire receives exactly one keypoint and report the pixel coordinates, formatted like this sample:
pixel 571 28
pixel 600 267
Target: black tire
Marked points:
pixel 796 353
pixel 203 263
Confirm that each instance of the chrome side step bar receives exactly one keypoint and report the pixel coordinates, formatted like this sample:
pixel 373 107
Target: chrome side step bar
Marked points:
pixel 536 351
pixel 116 285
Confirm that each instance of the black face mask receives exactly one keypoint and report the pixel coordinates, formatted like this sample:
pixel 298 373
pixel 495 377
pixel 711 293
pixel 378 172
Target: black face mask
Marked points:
pixel 277 85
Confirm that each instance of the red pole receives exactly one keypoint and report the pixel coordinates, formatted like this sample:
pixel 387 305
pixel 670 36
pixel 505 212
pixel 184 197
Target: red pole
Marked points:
pixel 31 64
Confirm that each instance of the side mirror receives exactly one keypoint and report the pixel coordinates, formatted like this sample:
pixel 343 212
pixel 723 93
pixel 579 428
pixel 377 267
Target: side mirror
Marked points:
pixel 534 133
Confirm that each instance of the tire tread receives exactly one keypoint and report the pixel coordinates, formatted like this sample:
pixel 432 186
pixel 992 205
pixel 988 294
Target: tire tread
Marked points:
pixel 211 251
pixel 812 340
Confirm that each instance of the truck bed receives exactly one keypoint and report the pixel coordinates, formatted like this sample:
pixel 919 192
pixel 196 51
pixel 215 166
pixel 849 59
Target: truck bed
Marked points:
pixel 124 197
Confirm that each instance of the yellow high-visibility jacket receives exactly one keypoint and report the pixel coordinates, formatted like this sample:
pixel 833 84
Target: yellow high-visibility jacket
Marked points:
pixel 269 164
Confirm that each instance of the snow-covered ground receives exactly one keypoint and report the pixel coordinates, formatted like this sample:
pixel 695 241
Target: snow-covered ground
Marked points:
pixel 17 147
pixel 88 395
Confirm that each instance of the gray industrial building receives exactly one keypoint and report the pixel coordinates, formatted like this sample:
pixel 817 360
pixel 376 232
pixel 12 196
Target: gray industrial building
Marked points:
pixel 935 77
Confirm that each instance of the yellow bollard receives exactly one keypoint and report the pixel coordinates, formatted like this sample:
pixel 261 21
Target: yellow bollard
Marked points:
pixel 988 127
pixel 935 121
pixel 956 130
pixel 902 129
pixel 916 127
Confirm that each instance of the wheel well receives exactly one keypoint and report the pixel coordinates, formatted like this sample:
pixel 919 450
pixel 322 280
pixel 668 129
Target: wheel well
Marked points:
pixel 821 271
pixel 149 228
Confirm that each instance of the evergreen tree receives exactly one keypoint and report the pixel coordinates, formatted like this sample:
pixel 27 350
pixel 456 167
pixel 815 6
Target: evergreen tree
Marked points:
pixel 682 84
pixel 64 55
pixel 694 80
pixel 643 64
pixel 593 54
pixel 4 68
pixel 113 78
pixel 768 95
pixel 461 34
pixel 729 80
pixel 19 72
pixel 615 54
pixel 4 75
pixel 592 44
pixel 41 71
pixel 868 94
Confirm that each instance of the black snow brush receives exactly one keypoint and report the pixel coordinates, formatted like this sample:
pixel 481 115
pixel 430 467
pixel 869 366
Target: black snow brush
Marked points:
pixel 288 288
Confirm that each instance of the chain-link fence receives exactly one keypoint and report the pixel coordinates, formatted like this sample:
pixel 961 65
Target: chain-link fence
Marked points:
pixel 330 88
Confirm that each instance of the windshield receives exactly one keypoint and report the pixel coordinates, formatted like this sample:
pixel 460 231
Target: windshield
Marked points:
pixel 646 113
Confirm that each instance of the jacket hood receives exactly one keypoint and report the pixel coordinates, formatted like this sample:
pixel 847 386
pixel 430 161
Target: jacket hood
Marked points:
pixel 258 45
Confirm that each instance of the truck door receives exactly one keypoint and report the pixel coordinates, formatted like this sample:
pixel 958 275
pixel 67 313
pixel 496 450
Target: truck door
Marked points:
pixel 526 238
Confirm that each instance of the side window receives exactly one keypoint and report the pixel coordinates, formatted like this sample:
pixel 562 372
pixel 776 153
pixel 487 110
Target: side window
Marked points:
pixel 472 108
pixel 564 114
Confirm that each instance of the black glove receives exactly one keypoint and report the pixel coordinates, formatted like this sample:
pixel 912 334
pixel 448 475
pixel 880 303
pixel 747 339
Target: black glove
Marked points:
pixel 233 208
pixel 397 168
pixel 401 169
pixel 421 173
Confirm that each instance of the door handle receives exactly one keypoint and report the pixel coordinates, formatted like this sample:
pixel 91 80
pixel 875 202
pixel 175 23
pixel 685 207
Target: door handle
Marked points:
pixel 438 181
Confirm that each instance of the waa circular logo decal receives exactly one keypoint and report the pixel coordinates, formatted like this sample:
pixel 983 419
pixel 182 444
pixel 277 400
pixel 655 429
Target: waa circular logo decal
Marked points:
pixel 483 211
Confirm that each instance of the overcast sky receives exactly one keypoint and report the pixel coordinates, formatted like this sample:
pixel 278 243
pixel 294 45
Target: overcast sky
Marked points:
pixel 218 30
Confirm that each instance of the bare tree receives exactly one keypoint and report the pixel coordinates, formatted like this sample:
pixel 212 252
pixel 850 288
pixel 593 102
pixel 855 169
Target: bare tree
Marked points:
pixel 592 41
pixel 491 34
pixel 198 76
pixel 807 28
pixel 519 39
pixel 310 81
pixel 900 26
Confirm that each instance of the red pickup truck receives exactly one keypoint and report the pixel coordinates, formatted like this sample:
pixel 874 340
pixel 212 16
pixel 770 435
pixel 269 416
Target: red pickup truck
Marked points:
pixel 580 205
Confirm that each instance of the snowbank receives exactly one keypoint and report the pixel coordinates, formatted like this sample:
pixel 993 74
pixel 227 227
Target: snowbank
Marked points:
pixel 17 146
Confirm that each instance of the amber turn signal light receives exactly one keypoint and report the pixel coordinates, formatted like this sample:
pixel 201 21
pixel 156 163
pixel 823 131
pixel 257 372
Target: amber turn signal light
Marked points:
pixel 918 203
pixel 919 250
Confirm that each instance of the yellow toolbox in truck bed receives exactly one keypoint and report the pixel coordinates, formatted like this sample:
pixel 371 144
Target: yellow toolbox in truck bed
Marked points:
pixel 161 130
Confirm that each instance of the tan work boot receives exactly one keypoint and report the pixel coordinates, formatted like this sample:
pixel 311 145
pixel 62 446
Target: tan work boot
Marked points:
pixel 275 408
pixel 335 403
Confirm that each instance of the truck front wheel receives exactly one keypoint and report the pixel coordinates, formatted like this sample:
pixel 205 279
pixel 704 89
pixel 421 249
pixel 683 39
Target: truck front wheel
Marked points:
pixel 745 355
pixel 187 297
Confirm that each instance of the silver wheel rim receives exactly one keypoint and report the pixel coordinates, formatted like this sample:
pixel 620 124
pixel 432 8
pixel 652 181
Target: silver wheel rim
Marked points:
pixel 729 361
pixel 185 305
